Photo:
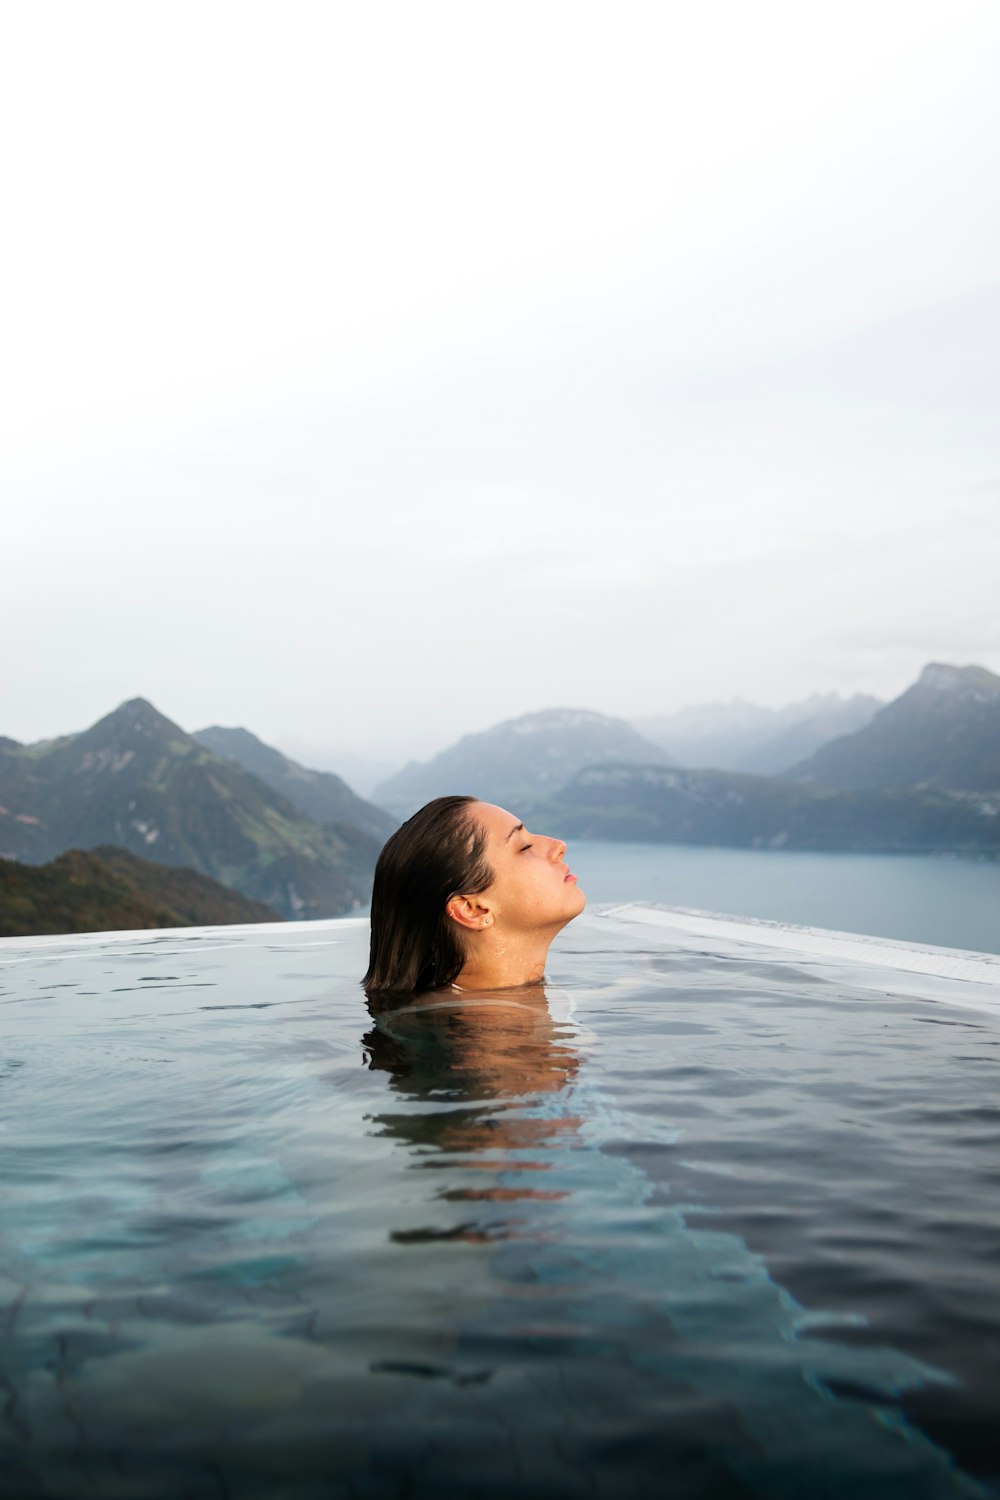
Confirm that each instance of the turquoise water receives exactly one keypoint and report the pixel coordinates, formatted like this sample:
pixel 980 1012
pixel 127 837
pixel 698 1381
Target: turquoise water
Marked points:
pixel 951 901
pixel 701 1219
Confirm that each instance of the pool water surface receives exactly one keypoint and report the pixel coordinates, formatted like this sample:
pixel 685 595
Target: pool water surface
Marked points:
pixel 713 1214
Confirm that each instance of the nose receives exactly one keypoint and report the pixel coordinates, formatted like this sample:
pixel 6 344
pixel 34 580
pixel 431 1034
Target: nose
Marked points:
pixel 558 849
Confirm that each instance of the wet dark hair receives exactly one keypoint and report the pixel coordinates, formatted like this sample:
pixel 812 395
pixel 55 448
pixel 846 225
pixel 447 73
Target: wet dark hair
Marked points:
pixel 436 854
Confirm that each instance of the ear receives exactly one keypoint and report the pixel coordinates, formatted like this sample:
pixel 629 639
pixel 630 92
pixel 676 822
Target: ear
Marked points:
pixel 469 912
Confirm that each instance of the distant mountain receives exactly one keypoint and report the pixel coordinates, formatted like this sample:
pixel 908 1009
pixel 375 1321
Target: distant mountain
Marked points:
pixel 829 717
pixel 520 760
pixel 319 794
pixel 110 890
pixel 741 736
pixel 942 732
pixel 711 734
pixel 138 781
pixel 721 808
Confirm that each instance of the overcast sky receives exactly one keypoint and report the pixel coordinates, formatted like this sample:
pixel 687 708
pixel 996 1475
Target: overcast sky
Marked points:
pixel 370 373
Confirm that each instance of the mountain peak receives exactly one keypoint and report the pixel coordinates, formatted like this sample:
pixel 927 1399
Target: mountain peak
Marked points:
pixel 515 762
pixel 135 718
pixel 941 677
pixel 944 731
pixel 236 733
pixel 545 719
pixel 238 744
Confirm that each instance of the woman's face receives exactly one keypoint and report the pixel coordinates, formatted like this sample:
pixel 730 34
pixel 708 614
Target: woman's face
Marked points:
pixel 532 887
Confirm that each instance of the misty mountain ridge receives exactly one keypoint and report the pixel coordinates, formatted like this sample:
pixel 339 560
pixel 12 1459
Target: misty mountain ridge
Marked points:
pixel 519 760
pixel 943 732
pixel 742 736
pixel 138 781
pixel 923 776
pixel 321 795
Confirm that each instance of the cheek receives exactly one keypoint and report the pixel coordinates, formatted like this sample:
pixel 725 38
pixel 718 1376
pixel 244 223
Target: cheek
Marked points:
pixel 522 890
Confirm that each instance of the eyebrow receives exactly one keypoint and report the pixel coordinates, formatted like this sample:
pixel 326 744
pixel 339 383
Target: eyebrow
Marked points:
pixel 512 832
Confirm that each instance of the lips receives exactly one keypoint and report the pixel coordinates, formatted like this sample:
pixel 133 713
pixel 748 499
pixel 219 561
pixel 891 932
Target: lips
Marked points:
pixel 569 876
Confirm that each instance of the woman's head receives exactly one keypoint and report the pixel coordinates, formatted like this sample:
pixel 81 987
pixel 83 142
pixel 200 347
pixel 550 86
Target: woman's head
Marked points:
pixel 464 884
pixel 436 854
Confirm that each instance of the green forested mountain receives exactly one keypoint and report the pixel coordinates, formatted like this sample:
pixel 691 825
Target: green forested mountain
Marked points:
pixel 110 890
pixel 724 808
pixel 321 795
pixel 943 732
pixel 138 781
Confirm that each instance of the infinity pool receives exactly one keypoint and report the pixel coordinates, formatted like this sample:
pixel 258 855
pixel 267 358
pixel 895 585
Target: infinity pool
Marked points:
pixel 717 1214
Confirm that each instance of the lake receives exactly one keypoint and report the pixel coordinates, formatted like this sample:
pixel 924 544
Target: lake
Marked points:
pixel 950 901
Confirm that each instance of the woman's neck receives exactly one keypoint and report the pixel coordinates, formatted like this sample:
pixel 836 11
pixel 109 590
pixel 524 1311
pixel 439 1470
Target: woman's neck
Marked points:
pixel 497 962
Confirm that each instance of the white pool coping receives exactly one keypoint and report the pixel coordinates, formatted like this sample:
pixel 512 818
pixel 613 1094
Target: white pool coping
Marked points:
pixel 958 976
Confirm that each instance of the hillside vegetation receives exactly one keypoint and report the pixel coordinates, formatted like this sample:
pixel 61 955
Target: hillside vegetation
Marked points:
pixel 322 796
pixel 110 890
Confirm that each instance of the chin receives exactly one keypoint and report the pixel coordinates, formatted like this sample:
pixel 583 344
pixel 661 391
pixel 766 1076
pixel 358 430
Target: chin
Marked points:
pixel 578 904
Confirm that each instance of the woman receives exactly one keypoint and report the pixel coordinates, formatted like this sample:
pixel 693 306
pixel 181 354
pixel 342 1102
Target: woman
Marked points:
pixel 465 896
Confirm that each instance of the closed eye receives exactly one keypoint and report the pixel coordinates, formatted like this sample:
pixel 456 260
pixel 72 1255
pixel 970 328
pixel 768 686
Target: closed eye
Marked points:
pixel 523 847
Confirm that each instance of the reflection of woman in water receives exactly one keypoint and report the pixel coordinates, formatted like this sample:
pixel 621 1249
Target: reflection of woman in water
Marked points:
pixel 477 1080
pixel 466 897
